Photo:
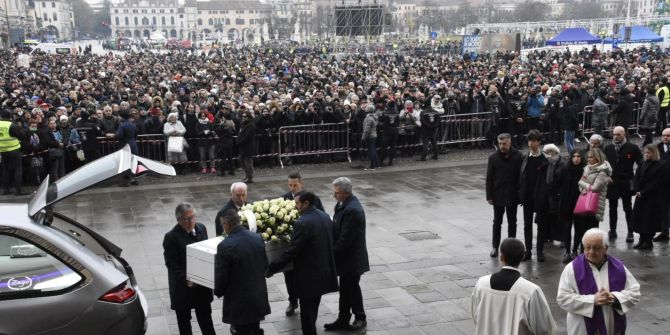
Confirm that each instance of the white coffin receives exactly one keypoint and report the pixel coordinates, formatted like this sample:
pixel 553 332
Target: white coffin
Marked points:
pixel 200 261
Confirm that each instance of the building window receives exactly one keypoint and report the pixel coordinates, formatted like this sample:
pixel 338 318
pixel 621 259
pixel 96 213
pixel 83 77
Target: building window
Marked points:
pixel 163 20
pixel 116 11
pixel 153 20
pixel 172 20
pixel 44 4
pixel 55 17
pixel 126 21
pixel 210 22
pixel 135 20
pixel 53 4
pixel 46 18
pixel 116 20
pixel 162 11
pixel 144 11
pixel 239 22
pixel 134 11
pixel 200 22
pixel 171 11
pixel 227 21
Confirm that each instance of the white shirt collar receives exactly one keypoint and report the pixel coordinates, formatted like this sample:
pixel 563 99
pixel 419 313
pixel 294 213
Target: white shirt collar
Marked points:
pixel 533 154
pixel 511 268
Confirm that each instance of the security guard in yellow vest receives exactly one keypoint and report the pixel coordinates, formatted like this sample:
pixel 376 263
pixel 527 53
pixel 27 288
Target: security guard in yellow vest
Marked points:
pixel 10 153
pixel 663 94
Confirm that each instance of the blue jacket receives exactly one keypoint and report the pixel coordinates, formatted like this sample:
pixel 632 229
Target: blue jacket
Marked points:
pixel 239 277
pixel 535 105
pixel 127 134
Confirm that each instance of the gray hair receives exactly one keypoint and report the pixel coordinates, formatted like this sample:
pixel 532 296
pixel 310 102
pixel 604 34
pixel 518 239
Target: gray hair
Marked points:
pixel 504 136
pixel 343 183
pixel 595 232
pixel 236 185
pixel 597 138
pixel 182 208
pixel 551 148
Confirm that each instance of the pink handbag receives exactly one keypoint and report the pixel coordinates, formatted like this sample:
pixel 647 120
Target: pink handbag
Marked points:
pixel 587 203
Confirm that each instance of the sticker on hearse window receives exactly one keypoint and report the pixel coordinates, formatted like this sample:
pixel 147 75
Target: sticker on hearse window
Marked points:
pixel 16 284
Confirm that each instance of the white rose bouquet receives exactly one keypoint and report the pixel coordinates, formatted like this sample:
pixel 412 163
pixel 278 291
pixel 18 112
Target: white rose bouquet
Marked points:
pixel 272 219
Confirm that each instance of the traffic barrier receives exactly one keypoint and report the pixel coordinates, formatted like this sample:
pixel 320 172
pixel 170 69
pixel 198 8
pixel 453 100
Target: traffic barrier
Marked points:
pixel 587 121
pixel 309 140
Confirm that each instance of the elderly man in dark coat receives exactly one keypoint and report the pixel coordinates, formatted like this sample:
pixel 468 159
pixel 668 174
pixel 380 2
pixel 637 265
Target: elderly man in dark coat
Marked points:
pixel 351 256
pixel 238 198
pixel 502 182
pixel 185 295
pixel 239 274
pixel 311 251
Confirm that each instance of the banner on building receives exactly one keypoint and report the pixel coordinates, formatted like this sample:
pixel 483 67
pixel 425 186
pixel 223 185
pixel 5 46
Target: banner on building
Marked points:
pixel 477 44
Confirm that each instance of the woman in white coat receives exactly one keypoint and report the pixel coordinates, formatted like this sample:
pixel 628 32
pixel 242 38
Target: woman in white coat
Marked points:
pixel 174 128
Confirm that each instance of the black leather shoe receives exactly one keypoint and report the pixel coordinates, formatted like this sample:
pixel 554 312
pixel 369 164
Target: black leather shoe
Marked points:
pixel 337 325
pixel 540 257
pixel 527 255
pixel 629 238
pixel 494 252
pixel 358 325
pixel 662 237
pixel 290 310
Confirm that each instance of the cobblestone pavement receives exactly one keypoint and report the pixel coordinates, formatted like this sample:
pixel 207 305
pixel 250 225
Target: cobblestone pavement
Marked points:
pixel 414 287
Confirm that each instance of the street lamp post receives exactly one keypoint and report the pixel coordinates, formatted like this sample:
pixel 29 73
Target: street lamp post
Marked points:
pixel 9 43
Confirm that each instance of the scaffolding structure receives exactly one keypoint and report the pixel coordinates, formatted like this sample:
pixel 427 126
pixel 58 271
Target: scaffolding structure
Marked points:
pixel 601 27
pixel 357 20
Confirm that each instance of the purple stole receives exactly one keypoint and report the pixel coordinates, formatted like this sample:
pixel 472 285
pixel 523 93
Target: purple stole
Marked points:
pixel 587 285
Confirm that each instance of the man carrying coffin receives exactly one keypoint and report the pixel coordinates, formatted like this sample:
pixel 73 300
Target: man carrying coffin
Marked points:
pixel 597 290
pixel 239 274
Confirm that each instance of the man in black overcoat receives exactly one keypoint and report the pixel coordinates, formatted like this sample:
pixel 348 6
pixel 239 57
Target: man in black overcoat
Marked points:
pixel 246 146
pixel 664 151
pixel 351 256
pixel 502 182
pixel 238 198
pixel 185 295
pixel 295 186
pixel 311 251
pixel 239 274
pixel 622 156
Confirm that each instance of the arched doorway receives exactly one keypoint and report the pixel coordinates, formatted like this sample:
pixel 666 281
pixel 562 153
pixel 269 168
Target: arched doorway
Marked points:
pixel 137 34
pixel 51 31
pixel 146 33
pixel 173 33
pixel 233 34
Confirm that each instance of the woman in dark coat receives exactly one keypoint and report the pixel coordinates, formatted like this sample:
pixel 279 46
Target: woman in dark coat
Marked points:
pixel 549 193
pixel 646 185
pixel 569 194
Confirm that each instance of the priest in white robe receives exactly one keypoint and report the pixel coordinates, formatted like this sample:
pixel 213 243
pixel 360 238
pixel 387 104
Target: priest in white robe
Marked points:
pixel 506 303
pixel 597 290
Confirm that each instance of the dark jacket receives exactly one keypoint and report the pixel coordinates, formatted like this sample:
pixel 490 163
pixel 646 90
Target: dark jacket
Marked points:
pixel 571 116
pixel 89 133
pixel 570 187
pixel 246 140
pixel 624 111
pixel 502 178
pixel 217 225
pixel 311 251
pixel 351 253
pixel 239 274
pixel 622 163
pixel 225 136
pixel 665 175
pixel 174 252
pixel 317 203
pixel 646 214
pixel 127 134
pixel 534 189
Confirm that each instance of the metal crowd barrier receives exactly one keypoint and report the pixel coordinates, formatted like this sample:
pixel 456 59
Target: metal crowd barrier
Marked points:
pixel 151 146
pixel 463 128
pixel 587 126
pixel 317 139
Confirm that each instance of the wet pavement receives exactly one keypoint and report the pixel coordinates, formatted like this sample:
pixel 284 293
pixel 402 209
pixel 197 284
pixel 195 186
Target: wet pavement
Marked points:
pixel 428 234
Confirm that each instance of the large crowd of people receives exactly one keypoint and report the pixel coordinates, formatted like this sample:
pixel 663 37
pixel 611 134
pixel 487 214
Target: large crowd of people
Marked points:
pixel 231 102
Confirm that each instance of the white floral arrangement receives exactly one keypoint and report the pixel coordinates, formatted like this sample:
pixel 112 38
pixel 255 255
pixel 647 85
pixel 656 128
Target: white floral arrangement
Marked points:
pixel 271 219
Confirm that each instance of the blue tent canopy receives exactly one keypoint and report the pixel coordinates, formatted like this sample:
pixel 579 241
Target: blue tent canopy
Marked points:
pixel 573 36
pixel 638 34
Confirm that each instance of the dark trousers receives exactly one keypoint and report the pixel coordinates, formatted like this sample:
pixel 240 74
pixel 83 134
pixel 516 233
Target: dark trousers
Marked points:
pixel 290 287
pixel 248 166
pixel 351 298
pixel 648 135
pixel 250 329
pixel 620 189
pixel 528 215
pixel 11 162
pixel 498 212
pixel 204 316
pixel 309 310
pixel 389 142
pixel 428 141
pixel 226 163
pixel 372 153
pixel 662 119
pixel 572 243
pixel 665 214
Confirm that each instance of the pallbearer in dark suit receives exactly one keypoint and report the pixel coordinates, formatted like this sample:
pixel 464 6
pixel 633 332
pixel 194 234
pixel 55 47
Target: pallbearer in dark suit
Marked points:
pixel 311 251
pixel 238 198
pixel 351 255
pixel 664 151
pixel 295 186
pixel 240 276
pixel 185 295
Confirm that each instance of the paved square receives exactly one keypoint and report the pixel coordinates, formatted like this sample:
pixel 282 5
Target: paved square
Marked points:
pixel 419 286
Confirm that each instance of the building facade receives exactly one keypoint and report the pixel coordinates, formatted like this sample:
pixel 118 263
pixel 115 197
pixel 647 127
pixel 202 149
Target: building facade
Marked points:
pixel 138 19
pixel 54 19
pixel 232 20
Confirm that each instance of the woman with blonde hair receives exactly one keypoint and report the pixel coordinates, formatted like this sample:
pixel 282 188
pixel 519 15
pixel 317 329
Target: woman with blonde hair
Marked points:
pixel 596 177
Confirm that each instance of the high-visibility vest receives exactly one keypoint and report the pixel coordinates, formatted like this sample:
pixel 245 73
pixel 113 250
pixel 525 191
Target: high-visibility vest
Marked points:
pixel 7 142
pixel 666 96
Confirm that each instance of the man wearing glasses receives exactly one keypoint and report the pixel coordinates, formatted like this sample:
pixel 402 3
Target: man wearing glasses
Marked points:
pixel 185 295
